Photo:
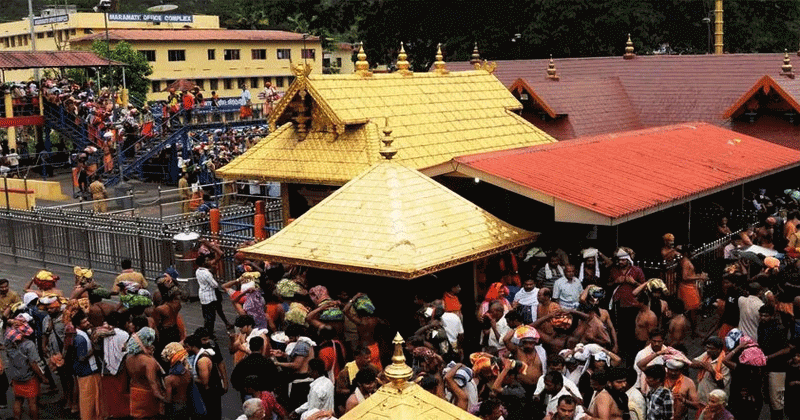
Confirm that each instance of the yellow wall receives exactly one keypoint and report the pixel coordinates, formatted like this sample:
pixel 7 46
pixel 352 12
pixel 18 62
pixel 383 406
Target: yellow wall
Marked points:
pixel 17 200
pixel 46 190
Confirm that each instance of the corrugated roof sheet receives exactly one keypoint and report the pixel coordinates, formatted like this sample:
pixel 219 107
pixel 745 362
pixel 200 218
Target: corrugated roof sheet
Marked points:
pixel 194 35
pixel 390 221
pixel 591 106
pixel 435 117
pixel 663 89
pixel 621 174
pixel 52 59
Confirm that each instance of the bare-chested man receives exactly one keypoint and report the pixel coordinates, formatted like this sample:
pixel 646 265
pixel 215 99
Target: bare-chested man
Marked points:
pixel 684 391
pixel 646 320
pixel 679 327
pixel 165 318
pixel 599 328
pixel 611 403
pixel 526 352
pixel 146 392
pixel 365 321
pixel 176 383
pixel 98 310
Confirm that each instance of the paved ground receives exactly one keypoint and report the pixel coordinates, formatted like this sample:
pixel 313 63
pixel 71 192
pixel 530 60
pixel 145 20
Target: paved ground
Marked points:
pixel 20 273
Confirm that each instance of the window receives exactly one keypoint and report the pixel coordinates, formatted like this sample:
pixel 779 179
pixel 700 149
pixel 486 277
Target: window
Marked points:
pixel 308 54
pixel 176 55
pixel 87 31
pixel 339 62
pixel 13 41
pixel 267 80
pixel 212 54
pixel 242 81
pixel 169 82
pixel 49 34
pixel 290 79
pixel 259 54
pixel 279 81
pixel 228 83
pixel 213 84
pixel 254 82
pixel 199 83
pixel 25 39
pixel 284 54
pixel 155 86
pixel 73 31
pixel 40 35
pixel 5 42
pixel 231 55
pixel 149 55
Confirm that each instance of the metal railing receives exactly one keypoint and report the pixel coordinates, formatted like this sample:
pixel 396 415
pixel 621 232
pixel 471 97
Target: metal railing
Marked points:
pixel 73 234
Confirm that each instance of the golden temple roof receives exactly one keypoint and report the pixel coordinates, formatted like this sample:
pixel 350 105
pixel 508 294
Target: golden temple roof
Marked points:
pixel 402 400
pixel 390 221
pixel 326 127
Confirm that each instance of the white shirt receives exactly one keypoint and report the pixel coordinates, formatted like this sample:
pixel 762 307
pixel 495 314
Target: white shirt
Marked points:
pixel 502 329
pixel 639 374
pixel 320 396
pixel 207 286
pixel 552 402
pixel 748 315
pixel 452 326
pixel 636 404
pixel 114 348
pixel 567 292
pixel 568 384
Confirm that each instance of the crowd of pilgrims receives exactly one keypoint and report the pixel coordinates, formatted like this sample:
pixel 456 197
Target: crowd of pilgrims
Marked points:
pixel 556 336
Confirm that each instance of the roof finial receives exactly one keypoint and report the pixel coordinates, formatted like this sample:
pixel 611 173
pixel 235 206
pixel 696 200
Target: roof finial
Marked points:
pixel 362 66
pixel 402 62
pixel 439 64
pixel 629 49
pixel 398 372
pixel 786 68
pixel 387 151
pixel 551 70
pixel 476 55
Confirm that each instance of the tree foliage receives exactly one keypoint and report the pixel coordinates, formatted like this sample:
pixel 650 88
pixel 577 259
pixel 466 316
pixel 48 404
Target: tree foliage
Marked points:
pixel 136 71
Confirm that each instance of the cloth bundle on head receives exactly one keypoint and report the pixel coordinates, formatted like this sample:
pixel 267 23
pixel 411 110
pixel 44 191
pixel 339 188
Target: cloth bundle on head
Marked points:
pixel 481 361
pixel 462 376
pixel 249 276
pixel 497 291
pixel 669 237
pixel 562 321
pixel 318 294
pixel 427 355
pixel 174 353
pixel 20 328
pixel 623 254
pixel 297 313
pixel 656 284
pixel 45 280
pixel 139 299
pixel 288 288
pixel 772 262
pixel 675 364
pixel 50 300
pixel 364 304
pixel 752 354
pixel 595 293
pixel 83 273
pixel 590 253
pixel 524 332
pixel 140 340
pixel 29 298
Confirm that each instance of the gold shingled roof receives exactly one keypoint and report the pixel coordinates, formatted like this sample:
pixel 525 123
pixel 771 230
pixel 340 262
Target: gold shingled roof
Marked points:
pixel 435 117
pixel 390 221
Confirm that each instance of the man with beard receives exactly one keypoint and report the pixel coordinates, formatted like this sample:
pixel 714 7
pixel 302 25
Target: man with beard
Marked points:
pixel 366 384
pixel 565 410
pixel 612 402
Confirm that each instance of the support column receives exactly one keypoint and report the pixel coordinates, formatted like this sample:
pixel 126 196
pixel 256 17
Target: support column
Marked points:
pixel 718 31
pixel 285 203
pixel 12 131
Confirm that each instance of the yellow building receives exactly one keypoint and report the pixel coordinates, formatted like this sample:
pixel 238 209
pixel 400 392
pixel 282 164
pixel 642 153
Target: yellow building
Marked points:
pixel 216 59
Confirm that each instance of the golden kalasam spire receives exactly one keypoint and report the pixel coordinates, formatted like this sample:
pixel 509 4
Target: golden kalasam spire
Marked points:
pixel 476 55
pixel 402 61
pixel 551 69
pixel 629 49
pixel 387 151
pixel 786 68
pixel 439 64
pixel 362 66
pixel 398 372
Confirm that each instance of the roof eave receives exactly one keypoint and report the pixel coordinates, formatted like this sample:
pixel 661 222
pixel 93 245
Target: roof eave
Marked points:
pixel 520 85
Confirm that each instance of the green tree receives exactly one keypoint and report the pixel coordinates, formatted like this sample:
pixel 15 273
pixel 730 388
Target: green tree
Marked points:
pixel 136 70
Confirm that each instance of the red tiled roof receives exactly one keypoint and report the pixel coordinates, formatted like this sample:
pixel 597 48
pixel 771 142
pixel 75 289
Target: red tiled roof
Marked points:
pixel 663 89
pixel 52 59
pixel 194 35
pixel 591 106
pixel 617 177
